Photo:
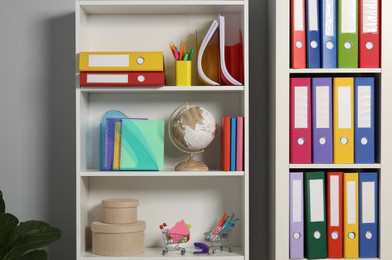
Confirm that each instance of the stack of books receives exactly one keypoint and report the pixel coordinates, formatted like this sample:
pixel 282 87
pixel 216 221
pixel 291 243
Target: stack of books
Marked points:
pixel 232 154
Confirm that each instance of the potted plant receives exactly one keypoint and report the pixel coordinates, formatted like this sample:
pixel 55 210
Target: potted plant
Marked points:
pixel 23 240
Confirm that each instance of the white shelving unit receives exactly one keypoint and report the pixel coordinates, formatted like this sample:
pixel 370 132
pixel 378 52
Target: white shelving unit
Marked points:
pixel 200 198
pixel 280 167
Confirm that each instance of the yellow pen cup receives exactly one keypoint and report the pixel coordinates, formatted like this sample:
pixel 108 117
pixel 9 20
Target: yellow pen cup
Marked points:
pixel 183 73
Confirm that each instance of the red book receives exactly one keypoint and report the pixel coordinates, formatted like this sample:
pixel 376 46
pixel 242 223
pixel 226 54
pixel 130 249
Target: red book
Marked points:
pixel 369 34
pixel 335 214
pixel 122 79
pixel 298 34
pixel 225 144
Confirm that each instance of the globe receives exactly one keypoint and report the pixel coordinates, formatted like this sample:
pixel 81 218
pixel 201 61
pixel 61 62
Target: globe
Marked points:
pixel 191 129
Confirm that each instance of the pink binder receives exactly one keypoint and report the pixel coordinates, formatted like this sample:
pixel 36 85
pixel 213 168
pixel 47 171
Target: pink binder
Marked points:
pixel 300 121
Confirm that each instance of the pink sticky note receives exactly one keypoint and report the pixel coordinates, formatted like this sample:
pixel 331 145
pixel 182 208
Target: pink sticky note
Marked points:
pixel 181 229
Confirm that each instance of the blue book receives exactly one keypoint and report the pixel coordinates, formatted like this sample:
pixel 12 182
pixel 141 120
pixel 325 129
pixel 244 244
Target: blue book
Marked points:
pixel 233 143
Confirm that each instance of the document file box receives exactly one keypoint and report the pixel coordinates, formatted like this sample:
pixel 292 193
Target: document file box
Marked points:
pixel 296 215
pixel 300 121
pixel 328 33
pixel 298 34
pixel 368 214
pixel 348 34
pixel 369 33
pixel 335 214
pixel 322 145
pixel 118 79
pixel 313 34
pixel 350 222
pixel 315 216
pixel 343 90
pixel 121 61
pixel 364 148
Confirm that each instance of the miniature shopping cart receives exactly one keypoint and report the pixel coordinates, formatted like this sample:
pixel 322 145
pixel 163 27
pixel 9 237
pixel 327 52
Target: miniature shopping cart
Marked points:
pixel 172 239
pixel 218 239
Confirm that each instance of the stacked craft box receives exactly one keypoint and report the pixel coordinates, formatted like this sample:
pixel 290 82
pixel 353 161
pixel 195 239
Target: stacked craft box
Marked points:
pixel 121 69
pixel 119 233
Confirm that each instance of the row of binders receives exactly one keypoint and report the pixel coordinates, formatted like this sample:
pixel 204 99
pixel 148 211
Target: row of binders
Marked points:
pixel 335 33
pixel 121 69
pixel 332 120
pixel 333 214
pixel 232 154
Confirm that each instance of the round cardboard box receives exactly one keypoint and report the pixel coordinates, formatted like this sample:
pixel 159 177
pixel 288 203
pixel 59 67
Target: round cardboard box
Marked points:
pixel 119 211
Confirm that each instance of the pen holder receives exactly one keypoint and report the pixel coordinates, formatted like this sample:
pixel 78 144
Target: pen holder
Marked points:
pixel 183 73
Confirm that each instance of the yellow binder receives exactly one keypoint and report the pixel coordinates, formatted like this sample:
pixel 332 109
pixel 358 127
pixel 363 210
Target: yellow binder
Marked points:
pixel 350 219
pixel 117 146
pixel 121 61
pixel 343 120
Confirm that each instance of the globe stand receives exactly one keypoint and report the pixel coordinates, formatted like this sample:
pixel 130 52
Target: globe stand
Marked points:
pixel 191 165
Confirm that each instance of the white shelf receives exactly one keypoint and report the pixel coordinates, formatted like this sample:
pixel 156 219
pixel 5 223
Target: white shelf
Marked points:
pixel 335 166
pixel 93 173
pixel 162 89
pixel 334 71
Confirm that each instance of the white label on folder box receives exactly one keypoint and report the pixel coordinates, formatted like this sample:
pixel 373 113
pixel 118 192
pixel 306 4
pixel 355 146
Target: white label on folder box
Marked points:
pixel 316 197
pixel 107 78
pixel 329 22
pixel 368 202
pixel 297 201
pixel 313 14
pixel 301 107
pixel 299 15
pixel 322 107
pixel 334 199
pixel 349 16
pixel 369 16
pixel 344 107
pixel 351 203
pixel 108 60
pixel 364 106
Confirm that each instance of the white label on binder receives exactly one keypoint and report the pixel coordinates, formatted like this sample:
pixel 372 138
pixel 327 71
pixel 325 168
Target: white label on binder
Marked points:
pixel 344 107
pixel 313 14
pixel 334 199
pixel 349 16
pixel 316 197
pixel 297 201
pixel 368 202
pixel 107 78
pixel 364 106
pixel 329 22
pixel 322 107
pixel 301 107
pixel 351 203
pixel 298 15
pixel 369 16
pixel 108 60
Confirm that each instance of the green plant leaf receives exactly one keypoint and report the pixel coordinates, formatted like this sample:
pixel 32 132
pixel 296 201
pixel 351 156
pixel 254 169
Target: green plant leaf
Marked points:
pixel 2 204
pixel 31 235
pixel 8 223
pixel 35 255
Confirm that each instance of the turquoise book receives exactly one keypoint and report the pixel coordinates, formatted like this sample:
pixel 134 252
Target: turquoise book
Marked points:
pixel 142 145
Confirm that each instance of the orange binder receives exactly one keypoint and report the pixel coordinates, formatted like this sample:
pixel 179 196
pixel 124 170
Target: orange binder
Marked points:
pixel 335 214
pixel 298 34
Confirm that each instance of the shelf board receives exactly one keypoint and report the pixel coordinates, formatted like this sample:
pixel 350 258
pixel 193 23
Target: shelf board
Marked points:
pixel 154 253
pixel 168 173
pixel 163 89
pixel 335 71
pixel 335 166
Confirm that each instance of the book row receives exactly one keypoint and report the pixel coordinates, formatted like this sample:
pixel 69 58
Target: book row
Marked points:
pixel 232 154
pixel 334 214
pixel 335 33
pixel 332 120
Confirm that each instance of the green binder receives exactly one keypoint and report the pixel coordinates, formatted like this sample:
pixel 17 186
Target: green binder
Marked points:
pixel 315 215
pixel 347 33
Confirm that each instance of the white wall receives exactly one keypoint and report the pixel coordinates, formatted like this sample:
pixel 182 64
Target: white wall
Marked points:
pixel 37 108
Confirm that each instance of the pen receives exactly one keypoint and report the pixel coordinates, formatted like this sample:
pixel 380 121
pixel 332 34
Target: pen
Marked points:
pixel 190 53
pixel 186 56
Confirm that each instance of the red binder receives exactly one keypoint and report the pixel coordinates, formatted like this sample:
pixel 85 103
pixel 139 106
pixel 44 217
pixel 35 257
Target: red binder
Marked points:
pixel 122 79
pixel 369 34
pixel 298 34
pixel 225 144
pixel 335 214
pixel 300 121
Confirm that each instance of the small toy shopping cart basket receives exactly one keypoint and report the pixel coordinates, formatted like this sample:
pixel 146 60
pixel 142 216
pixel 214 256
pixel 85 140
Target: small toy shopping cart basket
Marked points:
pixel 218 239
pixel 172 239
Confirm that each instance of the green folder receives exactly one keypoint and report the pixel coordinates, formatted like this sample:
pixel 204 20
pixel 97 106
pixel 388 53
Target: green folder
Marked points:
pixel 347 34
pixel 142 145
pixel 315 215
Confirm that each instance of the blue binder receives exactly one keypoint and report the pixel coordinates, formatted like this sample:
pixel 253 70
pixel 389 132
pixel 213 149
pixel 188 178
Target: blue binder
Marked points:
pixel 364 133
pixel 233 143
pixel 312 34
pixel 368 214
pixel 328 28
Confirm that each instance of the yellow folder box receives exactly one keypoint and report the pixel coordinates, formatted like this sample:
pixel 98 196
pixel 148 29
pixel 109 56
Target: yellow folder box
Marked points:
pixel 121 61
pixel 183 73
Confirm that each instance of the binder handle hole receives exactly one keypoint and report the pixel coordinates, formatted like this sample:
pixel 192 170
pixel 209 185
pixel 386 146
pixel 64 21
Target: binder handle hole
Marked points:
pixel 369 45
pixel 348 45
pixel 317 234
pixel 298 44
pixel 301 141
pixel 368 235
pixel 364 141
pixel 335 235
pixel 351 235
pixel 296 235
pixel 140 60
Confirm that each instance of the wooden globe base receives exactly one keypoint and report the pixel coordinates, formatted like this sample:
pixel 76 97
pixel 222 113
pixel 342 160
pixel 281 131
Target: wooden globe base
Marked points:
pixel 191 165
